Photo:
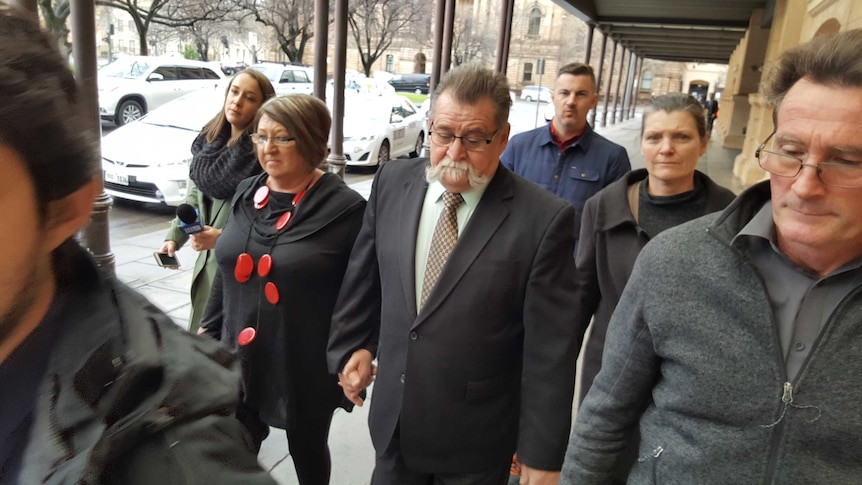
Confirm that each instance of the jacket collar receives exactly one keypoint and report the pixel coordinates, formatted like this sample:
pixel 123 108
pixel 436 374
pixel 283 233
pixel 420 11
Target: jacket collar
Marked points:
pixel 617 214
pixel 583 141
pixel 732 219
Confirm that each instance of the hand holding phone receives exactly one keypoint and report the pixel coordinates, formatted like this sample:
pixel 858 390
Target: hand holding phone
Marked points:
pixel 166 261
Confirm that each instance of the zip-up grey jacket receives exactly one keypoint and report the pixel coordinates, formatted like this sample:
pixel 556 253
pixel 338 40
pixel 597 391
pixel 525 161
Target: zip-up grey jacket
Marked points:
pixel 692 356
pixel 130 398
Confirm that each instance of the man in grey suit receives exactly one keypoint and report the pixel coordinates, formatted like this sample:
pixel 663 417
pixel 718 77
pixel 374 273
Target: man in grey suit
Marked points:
pixel 478 360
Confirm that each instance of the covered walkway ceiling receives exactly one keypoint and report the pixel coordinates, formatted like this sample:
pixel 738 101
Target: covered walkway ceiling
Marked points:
pixel 672 30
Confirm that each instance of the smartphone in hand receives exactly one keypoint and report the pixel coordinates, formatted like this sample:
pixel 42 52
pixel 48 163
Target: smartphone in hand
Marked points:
pixel 165 261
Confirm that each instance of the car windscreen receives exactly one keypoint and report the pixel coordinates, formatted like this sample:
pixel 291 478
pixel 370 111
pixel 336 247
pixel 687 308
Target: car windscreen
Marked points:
pixel 125 68
pixel 271 72
pixel 190 112
pixel 365 110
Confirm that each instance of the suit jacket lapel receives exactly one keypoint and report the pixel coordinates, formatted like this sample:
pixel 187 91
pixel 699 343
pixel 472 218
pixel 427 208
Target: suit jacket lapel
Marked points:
pixel 406 226
pixel 492 210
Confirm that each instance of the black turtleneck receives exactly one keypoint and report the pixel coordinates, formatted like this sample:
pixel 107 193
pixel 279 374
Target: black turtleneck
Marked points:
pixel 657 213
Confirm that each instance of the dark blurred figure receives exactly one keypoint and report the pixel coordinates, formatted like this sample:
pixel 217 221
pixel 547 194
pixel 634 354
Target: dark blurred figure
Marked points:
pixel 98 385
pixel 711 112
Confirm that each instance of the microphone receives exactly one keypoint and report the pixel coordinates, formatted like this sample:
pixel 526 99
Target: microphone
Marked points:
pixel 189 219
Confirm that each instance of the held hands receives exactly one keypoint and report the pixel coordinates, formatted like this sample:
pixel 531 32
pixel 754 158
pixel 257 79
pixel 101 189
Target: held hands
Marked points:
pixel 358 373
pixel 205 240
pixel 534 476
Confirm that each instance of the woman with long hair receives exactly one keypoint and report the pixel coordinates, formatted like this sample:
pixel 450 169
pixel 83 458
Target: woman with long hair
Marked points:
pixel 223 155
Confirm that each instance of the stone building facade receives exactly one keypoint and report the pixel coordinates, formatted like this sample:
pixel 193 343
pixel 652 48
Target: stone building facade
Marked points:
pixel 745 118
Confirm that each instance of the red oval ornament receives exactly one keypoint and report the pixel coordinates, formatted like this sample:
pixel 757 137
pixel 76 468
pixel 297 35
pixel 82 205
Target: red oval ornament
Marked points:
pixel 246 336
pixel 264 265
pixel 271 292
pixel 283 220
pixel 244 267
pixel 261 197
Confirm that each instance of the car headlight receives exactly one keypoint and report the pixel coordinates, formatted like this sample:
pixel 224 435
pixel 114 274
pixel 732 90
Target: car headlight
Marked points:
pixel 361 138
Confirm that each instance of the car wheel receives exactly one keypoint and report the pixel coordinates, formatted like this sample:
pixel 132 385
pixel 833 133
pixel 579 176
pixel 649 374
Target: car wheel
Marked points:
pixel 383 153
pixel 417 149
pixel 129 110
pixel 529 99
pixel 417 91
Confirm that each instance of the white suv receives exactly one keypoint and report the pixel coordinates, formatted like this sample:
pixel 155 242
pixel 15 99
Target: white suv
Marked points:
pixel 287 78
pixel 132 86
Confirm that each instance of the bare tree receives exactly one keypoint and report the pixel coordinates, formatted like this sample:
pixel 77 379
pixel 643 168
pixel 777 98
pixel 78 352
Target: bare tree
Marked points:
pixel 171 13
pixel 374 23
pixel 56 14
pixel 292 22
pixel 471 41
pixel 159 36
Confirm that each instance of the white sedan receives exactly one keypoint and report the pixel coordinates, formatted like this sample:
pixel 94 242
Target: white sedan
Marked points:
pixel 148 160
pixel 380 128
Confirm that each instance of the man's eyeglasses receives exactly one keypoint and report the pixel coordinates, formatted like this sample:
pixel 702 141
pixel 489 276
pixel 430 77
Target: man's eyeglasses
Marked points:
pixel 470 143
pixel 840 173
pixel 279 141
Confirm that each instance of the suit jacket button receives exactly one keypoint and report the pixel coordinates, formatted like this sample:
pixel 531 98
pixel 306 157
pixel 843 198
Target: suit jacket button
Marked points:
pixel 403 377
pixel 414 335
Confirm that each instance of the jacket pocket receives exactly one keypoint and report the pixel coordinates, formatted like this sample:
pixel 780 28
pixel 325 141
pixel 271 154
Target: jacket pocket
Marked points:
pixel 494 386
pixel 584 175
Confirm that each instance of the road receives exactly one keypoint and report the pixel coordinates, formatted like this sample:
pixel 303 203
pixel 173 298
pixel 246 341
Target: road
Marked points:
pixel 129 219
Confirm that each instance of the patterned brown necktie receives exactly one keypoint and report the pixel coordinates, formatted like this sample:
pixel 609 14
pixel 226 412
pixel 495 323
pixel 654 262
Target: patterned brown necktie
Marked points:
pixel 444 239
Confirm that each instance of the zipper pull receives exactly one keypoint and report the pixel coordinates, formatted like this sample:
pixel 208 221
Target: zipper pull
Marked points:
pixel 787 397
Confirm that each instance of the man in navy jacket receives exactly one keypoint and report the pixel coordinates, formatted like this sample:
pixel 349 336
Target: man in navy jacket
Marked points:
pixel 567 157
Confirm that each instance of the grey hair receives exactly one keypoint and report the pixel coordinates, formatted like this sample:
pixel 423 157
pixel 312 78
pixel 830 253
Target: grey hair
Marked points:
pixel 829 59
pixel 471 82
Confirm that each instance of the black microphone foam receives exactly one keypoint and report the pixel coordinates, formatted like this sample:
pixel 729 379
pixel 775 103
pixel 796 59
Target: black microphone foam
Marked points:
pixel 187 214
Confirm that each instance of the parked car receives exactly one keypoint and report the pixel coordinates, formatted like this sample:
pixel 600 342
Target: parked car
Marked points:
pixel 377 130
pixel 416 83
pixel 536 93
pixel 287 78
pixel 229 67
pixel 148 160
pixel 131 86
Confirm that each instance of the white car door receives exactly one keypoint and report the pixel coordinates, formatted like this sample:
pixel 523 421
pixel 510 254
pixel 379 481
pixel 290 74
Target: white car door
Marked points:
pixel 399 124
pixel 193 78
pixel 163 85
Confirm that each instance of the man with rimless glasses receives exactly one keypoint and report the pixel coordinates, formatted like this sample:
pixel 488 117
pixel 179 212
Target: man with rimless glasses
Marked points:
pixel 735 349
pixel 458 285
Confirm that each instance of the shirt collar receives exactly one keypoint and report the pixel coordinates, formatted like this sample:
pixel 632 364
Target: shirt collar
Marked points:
pixel 471 197
pixel 762 226
pixel 563 144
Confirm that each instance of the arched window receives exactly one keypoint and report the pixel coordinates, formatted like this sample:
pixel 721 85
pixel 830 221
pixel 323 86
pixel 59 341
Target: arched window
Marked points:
pixel 646 81
pixel 535 21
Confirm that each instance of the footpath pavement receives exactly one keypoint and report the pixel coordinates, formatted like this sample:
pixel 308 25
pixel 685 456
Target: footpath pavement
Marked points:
pixel 350 443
